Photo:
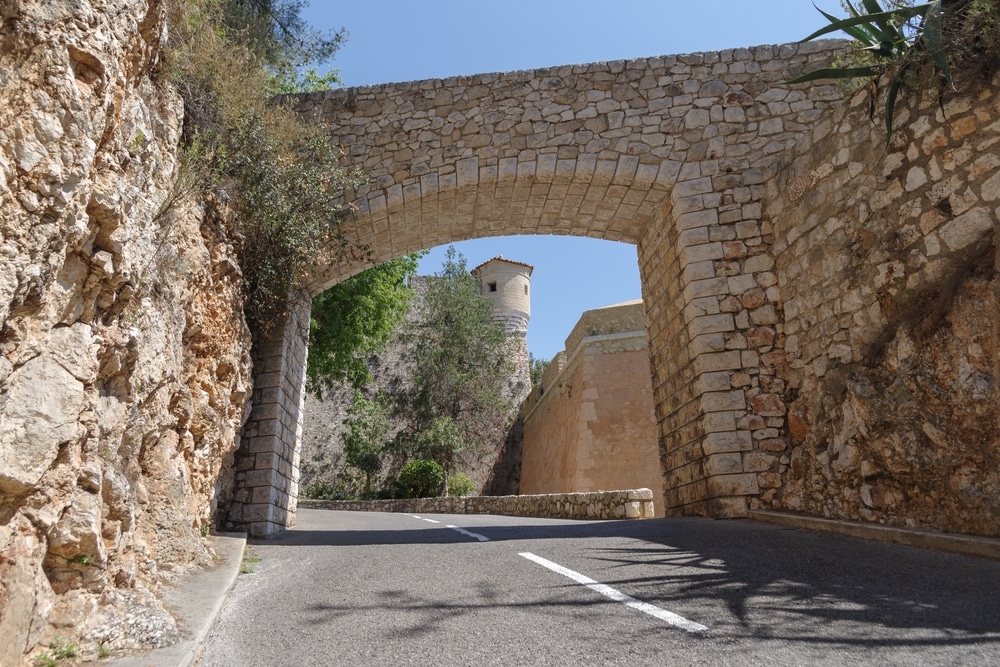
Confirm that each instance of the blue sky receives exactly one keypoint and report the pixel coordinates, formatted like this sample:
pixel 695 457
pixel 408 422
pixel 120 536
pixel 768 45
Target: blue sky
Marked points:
pixel 404 40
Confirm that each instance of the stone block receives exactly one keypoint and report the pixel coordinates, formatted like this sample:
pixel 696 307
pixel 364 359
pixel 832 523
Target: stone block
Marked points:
pixel 262 495
pixel 257 513
pixel 706 218
pixel 742 484
pixel 704 288
pixel 727 441
pixel 718 422
pixel 727 507
pixel 717 361
pixel 723 464
pixel 701 253
pixel 258 478
pixel 722 401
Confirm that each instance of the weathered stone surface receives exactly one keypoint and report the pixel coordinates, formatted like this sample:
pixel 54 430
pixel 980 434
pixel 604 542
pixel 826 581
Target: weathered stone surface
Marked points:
pixel 40 411
pixel 625 504
pixel 123 352
pixel 886 264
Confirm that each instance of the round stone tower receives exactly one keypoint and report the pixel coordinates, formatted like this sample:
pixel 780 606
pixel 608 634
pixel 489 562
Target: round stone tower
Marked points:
pixel 508 285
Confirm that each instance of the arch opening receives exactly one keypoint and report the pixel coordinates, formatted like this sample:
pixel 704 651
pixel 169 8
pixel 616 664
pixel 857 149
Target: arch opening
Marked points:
pixel 671 154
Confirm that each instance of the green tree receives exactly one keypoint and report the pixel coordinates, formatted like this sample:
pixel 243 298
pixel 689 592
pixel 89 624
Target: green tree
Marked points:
pixel 536 368
pixel 355 319
pixel 277 35
pixel 366 437
pixel 273 176
pixel 461 368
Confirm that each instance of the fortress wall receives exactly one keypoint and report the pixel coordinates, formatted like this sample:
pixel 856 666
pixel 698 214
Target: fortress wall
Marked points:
pixel 592 426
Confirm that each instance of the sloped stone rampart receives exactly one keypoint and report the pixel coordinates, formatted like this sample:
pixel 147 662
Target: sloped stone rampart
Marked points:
pixel 592 425
pixel 627 504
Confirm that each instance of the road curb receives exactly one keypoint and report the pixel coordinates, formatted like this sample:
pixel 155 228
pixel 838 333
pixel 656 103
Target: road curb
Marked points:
pixel 195 604
pixel 971 545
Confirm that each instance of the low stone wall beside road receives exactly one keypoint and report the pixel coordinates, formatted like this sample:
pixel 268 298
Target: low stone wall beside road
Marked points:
pixel 627 504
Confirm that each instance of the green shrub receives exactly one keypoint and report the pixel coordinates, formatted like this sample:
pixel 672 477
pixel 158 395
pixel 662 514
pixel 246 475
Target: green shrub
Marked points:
pixel 421 478
pixel 905 41
pixel 320 490
pixel 390 490
pixel 459 484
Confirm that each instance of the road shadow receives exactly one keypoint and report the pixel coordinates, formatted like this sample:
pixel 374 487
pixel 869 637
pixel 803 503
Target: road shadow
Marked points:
pixel 763 575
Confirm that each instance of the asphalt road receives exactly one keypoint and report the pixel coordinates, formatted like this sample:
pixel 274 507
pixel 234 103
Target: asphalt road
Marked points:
pixel 347 588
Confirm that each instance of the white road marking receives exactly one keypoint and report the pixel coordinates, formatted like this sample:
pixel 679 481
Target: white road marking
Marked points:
pixel 477 536
pixel 481 538
pixel 616 595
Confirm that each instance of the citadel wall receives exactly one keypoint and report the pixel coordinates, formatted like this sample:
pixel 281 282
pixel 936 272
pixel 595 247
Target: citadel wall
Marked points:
pixel 590 424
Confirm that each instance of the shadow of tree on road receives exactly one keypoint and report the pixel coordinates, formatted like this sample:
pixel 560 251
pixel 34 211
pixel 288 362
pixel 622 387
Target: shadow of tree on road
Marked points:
pixel 775 583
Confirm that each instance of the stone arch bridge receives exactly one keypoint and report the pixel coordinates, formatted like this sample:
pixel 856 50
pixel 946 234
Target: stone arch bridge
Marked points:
pixel 670 154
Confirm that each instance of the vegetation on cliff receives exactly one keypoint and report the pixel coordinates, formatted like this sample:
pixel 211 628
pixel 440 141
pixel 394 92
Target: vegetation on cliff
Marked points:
pixel 279 177
pixel 916 45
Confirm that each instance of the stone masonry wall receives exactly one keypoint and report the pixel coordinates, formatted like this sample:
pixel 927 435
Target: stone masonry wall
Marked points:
pixel 588 150
pixel 671 153
pixel 124 357
pixel 886 264
pixel 267 462
pixel 628 504
pixel 592 426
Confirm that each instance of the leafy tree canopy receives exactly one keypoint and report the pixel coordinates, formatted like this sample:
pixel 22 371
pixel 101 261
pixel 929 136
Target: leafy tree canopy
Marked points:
pixel 275 32
pixel 354 320
pixel 536 368
pixel 461 368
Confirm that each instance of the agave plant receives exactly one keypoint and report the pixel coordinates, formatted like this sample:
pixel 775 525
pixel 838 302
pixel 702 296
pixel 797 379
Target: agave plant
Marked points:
pixel 896 38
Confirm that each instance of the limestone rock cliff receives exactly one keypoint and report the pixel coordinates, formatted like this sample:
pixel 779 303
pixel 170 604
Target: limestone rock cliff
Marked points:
pixel 124 359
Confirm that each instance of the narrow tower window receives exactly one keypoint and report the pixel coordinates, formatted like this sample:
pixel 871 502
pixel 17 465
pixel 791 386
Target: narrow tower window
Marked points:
pixel 492 286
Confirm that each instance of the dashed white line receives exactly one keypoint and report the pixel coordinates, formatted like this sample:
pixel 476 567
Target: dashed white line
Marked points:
pixel 616 595
pixel 481 538
pixel 463 531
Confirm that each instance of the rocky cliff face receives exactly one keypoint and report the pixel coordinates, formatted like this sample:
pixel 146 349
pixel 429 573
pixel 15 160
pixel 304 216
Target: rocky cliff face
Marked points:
pixel 124 358
pixel 887 263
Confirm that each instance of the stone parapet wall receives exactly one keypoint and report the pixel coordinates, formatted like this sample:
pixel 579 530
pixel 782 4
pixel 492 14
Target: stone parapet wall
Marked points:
pixel 885 257
pixel 627 504
pixel 621 318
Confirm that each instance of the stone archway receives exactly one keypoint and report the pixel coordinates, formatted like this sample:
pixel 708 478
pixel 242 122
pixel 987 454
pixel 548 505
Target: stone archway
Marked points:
pixel 669 153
